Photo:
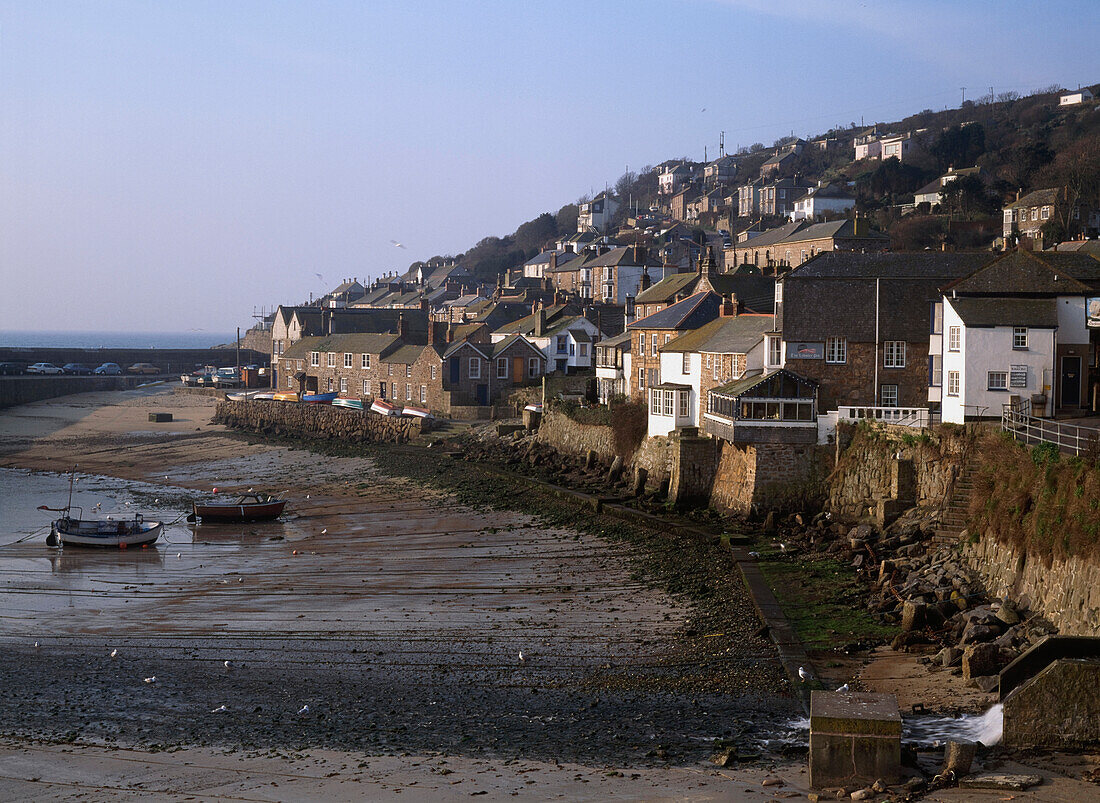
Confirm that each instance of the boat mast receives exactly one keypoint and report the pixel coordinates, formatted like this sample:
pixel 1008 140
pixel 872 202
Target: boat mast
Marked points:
pixel 72 477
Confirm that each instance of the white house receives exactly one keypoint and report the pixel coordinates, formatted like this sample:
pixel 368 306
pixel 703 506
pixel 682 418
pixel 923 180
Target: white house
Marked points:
pixel 932 192
pixel 1073 98
pixel 995 349
pixel 613 367
pixel 897 147
pixel 566 340
pixel 597 213
pixel 821 199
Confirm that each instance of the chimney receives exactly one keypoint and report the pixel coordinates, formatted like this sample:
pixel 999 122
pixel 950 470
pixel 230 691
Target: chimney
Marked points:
pixel 431 332
pixel 402 326
pixel 450 332
pixel 639 254
pixel 540 321
pixel 534 307
pixel 859 227
pixel 645 280
pixel 424 305
pixel 553 259
pixel 731 307
pixel 559 297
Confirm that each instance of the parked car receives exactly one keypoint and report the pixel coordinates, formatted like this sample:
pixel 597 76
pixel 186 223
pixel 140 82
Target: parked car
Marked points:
pixel 44 368
pixel 108 368
pixel 12 368
pixel 227 378
pixel 143 368
pixel 76 368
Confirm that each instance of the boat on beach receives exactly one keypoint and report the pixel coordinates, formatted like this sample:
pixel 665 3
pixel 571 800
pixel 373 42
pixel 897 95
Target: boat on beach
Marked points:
pixel 383 407
pixel 285 396
pixel 417 412
pixel 246 507
pixel 249 395
pixel 319 398
pixel 350 404
pixel 107 532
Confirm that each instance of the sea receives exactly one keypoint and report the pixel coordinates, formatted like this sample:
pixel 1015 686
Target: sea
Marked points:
pixel 114 340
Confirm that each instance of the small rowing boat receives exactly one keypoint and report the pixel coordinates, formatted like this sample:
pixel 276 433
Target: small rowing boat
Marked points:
pixel 285 396
pixel 383 407
pixel 105 532
pixel 318 398
pixel 247 507
pixel 350 404
pixel 417 412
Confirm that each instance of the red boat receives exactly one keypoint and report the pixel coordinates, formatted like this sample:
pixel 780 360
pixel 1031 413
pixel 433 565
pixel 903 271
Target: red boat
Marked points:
pixel 249 507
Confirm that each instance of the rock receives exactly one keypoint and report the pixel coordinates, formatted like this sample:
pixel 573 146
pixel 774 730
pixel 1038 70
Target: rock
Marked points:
pixel 590 460
pixel 723 758
pixel 1007 613
pixel 885 570
pixel 861 533
pixel 949 656
pixel 979 660
pixel 640 477
pixel 987 683
pixel 879 786
pixel 1016 783
pixel 863 794
pixel 770 528
pixel 616 469
pixel 976 634
pixel 957 757
pixel 914 785
pixel 912 616
pixel 857 561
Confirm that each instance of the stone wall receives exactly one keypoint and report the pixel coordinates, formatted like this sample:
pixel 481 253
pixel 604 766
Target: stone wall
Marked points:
pixel 1067 592
pixel 866 472
pixel 317 421
pixel 26 389
pixel 766 475
pixel 656 456
pixel 570 437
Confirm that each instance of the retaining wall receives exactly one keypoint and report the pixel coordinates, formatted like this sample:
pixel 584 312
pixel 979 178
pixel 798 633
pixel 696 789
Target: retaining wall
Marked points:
pixel 26 389
pixel 317 421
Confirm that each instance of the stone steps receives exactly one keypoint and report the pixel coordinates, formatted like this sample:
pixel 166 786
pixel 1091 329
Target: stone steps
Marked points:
pixel 956 513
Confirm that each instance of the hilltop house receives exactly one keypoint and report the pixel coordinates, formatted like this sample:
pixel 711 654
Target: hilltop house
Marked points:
pixel 831 199
pixel 564 338
pixel 719 172
pixel 672 178
pixel 1073 98
pixel 932 193
pixel 597 213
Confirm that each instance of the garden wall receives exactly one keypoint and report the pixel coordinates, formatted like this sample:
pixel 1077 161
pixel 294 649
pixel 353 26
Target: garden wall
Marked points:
pixel 316 420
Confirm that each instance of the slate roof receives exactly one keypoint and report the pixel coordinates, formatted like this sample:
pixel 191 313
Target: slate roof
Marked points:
pixel 526 324
pixel 691 313
pixel 581 335
pixel 620 342
pixel 836 229
pixel 724 335
pixel 499 348
pixel 913 264
pixel 1034 313
pixel 623 255
pixel 1049 195
pixel 668 288
pixel 1023 272
pixel 406 354
pixel 357 343
pixel 772 236
pixel 543 258
pixel 754 377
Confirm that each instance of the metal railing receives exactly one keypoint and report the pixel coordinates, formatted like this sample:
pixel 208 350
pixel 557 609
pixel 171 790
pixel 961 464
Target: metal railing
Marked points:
pixel 917 417
pixel 1068 438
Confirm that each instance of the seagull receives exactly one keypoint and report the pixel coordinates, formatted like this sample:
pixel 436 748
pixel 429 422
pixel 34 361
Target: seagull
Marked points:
pixel 804 674
pixel 304 709
pixel 225 664
pixel 127 504
pixel 249 491
pixel 114 653
pixel 307 496
pixel 36 645
pixel 240 579
pixel 396 244
pixel 220 709
pixel 782 547
pixel 165 477
pixel 754 554
pixel 843 688
pixel 324 531
pixel 152 679
pixel 521 658
pixel 179 555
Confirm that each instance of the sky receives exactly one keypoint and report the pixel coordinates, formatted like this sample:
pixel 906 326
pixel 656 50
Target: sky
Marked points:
pixel 173 166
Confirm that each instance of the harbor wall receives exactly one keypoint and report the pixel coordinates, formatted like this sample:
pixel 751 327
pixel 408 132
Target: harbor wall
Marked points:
pixel 317 421
pixel 170 361
pixel 15 390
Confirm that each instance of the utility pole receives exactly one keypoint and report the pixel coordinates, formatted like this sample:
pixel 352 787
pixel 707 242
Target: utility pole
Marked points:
pixel 963 89
pixel 721 143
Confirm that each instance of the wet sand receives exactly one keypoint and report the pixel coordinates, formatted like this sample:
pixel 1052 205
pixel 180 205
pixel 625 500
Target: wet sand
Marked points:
pixel 394 613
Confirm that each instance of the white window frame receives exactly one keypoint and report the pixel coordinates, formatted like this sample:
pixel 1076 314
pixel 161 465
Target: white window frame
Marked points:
pixel 343 385
pixel 433 372
pixel 893 354
pixel 474 367
pixel 775 349
pixel 989 380
pixel 641 343
pixel 952 383
pixel 1019 338
pixel 532 367
pixel 683 403
pixel 423 394
pixel 290 382
pixel 314 359
pixel 641 377
pixel 890 400
pixel 836 350
pixel 365 362
pixel 502 367
pixel 347 359
pixel 954 338
pixel 685 365
pixel 717 366
pixel 408 392
pixel 366 387
pixel 332 359
pixel 935 379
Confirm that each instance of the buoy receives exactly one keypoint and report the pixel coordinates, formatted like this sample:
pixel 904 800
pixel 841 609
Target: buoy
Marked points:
pixel 122 545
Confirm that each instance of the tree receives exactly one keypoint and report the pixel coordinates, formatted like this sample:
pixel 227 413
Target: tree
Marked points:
pixel 1077 169
pixel 967 197
pixel 567 218
pixel 533 234
pixel 959 146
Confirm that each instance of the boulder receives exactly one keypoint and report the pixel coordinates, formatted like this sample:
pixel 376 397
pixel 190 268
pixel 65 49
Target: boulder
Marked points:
pixel 1007 613
pixel 958 757
pixel 986 683
pixel 912 616
pixel 862 533
pixel 974 633
pixel 979 660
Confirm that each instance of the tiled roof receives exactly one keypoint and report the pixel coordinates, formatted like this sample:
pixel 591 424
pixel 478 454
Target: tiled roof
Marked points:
pixel 690 313
pixel 915 264
pixel 358 343
pixel 1037 313
pixel 407 354
pixel 620 342
pixel 1023 272
pixel 724 335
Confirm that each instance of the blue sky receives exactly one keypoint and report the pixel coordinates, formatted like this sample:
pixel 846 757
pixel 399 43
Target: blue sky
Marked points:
pixel 171 165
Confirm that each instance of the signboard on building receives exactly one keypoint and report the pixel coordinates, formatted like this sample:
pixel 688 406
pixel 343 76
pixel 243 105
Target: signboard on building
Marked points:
pixel 1092 312
pixel 805 351
pixel 1017 377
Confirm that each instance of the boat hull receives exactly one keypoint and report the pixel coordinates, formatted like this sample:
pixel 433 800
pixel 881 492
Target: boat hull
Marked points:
pixel 285 397
pixel 350 404
pixel 95 533
pixel 264 511
pixel 385 408
pixel 319 398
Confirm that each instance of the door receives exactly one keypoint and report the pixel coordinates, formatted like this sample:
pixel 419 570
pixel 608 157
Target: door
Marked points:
pixel 455 367
pixel 517 370
pixel 483 394
pixel 1070 395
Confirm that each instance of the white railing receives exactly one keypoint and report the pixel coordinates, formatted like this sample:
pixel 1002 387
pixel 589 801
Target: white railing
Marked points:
pixel 1068 438
pixel 916 417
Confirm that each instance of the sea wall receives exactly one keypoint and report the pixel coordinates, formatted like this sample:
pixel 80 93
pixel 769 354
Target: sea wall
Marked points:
pixel 31 388
pixel 170 361
pixel 317 421
pixel 1066 591
pixel 571 437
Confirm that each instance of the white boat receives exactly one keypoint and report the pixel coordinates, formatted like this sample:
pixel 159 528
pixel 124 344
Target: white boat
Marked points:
pixel 417 412
pixel 383 407
pixel 109 532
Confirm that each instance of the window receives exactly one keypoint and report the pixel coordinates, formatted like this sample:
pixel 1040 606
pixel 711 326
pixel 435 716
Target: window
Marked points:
pixel 836 350
pixel 289 382
pixel 996 380
pixel 314 359
pixel 423 394
pixel 641 378
pixel 655 401
pixel 532 367
pixel 366 387
pixel 572 349
pixel 561 344
pixel 935 370
pixel 390 366
pixel 408 370
pixel 347 360
pixel 1045 214
pixel 1035 214
pixel 330 384
pixel 433 372
pixel 653 346
pixel 366 362
pixel 298 364
pixel 710 360
pixel 641 344
pixel 584 349
pixel 888 396
pixel 394 387
pixel 502 367
pixel 717 366
pixel 408 392
pixel 954 338
pixel 667 402
pixel 775 350
pixel 937 318
pixel 952 383
pixel 475 368
pixel 668 338
pixel 684 398
pixel 332 359
pixel 1019 337
pixel 343 385
pixel 382 390
pixel 893 354
pixel 685 368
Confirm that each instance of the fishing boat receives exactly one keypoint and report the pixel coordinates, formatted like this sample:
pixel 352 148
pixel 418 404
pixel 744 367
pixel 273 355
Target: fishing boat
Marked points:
pixel 319 398
pixel 383 407
pixel 350 404
pixel 263 396
pixel 286 396
pixel 247 507
pixel 106 532
pixel 236 397
pixel 417 412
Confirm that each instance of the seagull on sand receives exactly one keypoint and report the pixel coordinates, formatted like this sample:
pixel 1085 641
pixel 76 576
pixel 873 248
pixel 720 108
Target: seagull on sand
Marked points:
pixel 304 709
pixel 225 664
pixel 152 679
pixel 324 531
pixel 220 709
pixel 179 555
pixel 114 653
pixel 843 688
pixel 36 645
pixel 804 674
pixel 522 660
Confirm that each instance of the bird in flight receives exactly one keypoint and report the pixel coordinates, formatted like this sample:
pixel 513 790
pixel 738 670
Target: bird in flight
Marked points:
pixel 319 276
pixel 397 244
